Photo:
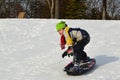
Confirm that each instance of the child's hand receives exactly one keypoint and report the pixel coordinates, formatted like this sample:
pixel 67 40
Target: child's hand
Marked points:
pixel 70 50
pixel 64 54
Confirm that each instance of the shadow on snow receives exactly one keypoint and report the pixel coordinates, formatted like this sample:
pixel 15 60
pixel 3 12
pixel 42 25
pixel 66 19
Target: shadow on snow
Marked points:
pixel 102 60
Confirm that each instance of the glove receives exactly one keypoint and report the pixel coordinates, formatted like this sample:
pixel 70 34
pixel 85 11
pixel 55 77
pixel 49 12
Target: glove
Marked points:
pixel 71 54
pixel 64 54
pixel 68 52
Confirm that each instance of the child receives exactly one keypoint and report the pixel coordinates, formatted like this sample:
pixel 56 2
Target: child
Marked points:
pixel 76 39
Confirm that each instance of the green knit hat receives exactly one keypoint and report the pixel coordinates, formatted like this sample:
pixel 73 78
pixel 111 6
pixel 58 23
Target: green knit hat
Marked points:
pixel 60 25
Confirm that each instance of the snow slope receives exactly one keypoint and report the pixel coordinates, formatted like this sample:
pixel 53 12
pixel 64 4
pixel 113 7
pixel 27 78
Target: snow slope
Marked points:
pixel 29 49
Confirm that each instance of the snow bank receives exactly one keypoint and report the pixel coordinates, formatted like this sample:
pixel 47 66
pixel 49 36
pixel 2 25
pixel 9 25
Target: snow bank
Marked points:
pixel 29 49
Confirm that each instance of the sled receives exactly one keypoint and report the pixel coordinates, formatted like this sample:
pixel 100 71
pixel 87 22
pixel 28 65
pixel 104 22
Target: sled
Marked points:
pixel 70 69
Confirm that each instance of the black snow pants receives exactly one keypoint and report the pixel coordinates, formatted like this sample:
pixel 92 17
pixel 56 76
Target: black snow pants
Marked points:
pixel 79 53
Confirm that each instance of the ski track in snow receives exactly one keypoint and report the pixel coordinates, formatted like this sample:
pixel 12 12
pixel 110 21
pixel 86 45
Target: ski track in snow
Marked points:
pixel 29 49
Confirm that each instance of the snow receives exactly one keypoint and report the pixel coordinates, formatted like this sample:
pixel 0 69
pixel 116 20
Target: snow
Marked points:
pixel 29 49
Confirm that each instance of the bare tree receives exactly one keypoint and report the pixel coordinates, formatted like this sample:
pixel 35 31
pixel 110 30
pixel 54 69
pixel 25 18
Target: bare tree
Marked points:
pixel 1 2
pixel 57 9
pixel 51 4
pixel 94 9
pixel 113 8
pixel 104 9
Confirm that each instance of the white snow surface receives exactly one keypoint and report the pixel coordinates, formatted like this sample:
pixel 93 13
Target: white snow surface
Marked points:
pixel 30 50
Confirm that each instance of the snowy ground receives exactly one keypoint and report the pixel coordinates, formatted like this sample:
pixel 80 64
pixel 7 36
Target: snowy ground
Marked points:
pixel 29 50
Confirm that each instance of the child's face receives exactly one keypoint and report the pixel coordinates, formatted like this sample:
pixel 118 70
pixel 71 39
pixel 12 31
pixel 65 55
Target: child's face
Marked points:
pixel 61 32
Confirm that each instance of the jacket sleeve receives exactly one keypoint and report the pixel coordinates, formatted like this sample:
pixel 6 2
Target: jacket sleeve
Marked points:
pixel 76 34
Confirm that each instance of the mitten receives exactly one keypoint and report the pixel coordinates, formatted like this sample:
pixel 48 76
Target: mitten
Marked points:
pixel 64 54
pixel 70 50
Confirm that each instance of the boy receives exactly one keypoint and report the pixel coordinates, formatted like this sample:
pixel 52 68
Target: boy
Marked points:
pixel 76 39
